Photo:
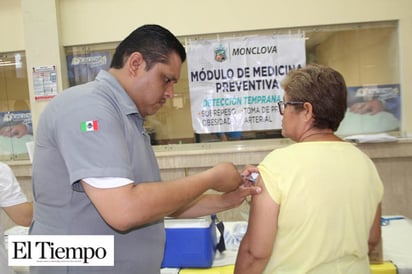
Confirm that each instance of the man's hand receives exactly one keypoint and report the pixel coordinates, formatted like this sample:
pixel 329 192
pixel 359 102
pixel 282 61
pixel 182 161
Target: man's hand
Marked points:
pixel 237 197
pixel 248 172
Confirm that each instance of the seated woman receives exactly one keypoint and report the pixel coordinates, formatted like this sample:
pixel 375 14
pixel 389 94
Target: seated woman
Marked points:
pixel 319 210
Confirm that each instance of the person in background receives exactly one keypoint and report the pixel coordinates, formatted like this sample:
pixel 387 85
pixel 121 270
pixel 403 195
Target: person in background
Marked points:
pixel 14 203
pixel 319 210
pixel 94 169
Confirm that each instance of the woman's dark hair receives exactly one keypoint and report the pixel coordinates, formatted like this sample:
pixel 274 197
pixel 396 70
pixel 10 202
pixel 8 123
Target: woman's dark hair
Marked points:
pixel 324 88
pixel 154 42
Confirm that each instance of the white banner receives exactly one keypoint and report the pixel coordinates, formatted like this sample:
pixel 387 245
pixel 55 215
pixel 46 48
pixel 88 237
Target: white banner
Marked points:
pixel 61 250
pixel 235 82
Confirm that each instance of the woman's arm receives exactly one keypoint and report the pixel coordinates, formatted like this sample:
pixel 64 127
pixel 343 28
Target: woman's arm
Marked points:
pixel 375 231
pixel 257 244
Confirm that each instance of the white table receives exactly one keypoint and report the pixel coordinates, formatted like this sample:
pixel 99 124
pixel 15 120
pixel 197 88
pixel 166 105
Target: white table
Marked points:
pixel 397 244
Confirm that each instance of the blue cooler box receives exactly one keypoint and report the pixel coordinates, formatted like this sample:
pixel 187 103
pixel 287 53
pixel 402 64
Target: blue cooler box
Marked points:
pixel 189 242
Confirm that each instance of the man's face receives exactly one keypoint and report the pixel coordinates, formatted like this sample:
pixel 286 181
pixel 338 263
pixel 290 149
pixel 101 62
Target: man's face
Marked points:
pixel 153 87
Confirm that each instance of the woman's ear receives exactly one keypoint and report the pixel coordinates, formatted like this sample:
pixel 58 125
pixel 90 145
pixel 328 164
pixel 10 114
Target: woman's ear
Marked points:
pixel 308 111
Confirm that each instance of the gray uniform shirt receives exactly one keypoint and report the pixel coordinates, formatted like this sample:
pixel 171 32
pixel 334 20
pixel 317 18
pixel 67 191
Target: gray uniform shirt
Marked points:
pixel 64 154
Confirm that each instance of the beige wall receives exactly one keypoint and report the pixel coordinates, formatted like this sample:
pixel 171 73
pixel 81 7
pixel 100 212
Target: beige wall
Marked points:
pixel 42 27
pixel 11 26
pixel 376 63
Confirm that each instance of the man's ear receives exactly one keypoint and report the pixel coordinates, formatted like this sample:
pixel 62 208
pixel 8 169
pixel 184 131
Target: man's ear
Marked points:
pixel 308 111
pixel 135 62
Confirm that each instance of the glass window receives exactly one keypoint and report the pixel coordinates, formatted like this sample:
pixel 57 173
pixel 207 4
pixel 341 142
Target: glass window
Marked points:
pixel 366 54
pixel 84 62
pixel 15 116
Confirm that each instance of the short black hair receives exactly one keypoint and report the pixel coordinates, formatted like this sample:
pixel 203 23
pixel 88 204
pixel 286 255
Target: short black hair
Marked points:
pixel 154 42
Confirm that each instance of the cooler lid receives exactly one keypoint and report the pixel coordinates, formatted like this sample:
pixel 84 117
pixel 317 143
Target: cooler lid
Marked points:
pixel 200 222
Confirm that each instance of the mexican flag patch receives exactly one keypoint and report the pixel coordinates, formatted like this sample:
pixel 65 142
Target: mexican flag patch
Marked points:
pixel 90 125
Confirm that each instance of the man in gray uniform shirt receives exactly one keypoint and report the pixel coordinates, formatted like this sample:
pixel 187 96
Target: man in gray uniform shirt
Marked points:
pixel 94 170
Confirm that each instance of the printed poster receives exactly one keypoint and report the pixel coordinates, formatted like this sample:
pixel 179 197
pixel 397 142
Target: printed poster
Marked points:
pixel 372 109
pixel 44 82
pixel 83 68
pixel 234 83
pixel 15 132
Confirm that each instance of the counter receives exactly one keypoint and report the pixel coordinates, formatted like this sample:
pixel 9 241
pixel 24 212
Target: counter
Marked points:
pixel 393 161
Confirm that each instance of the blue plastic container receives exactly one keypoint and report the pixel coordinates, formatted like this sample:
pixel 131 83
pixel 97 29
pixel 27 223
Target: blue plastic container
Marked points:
pixel 189 243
